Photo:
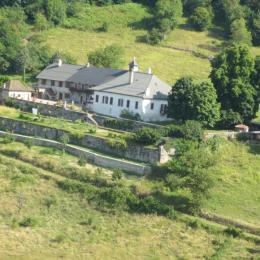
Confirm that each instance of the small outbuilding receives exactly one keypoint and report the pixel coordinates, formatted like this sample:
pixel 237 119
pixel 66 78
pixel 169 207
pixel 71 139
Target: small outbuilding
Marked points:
pixel 242 128
pixel 16 89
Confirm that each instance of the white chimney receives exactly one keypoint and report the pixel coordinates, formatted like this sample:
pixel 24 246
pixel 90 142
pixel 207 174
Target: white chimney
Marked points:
pixel 59 62
pixel 88 65
pixel 4 85
pixel 131 76
pixel 149 71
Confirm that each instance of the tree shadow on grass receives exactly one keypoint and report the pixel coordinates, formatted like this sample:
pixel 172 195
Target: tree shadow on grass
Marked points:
pixel 146 23
pixel 254 147
pixel 180 202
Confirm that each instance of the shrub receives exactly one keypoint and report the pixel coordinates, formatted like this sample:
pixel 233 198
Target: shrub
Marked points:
pixel 117 175
pixel 82 161
pixel 201 18
pixel 92 130
pixel 10 102
pixel 119 124
pixel 49 201
pixel 192 130
pixel 229 119
pixel 146 136
pixel 29 222
pixel 8 138
pixel 28 143
pixel 119 144
pixel 174 131
pixel 129 115
pixel 233 231
pixel 155 36
pixel 193 223
pixel 25 117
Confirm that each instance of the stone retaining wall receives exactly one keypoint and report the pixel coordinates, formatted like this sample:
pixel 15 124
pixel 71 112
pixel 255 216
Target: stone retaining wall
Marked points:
pixel 55 111
pixel 252 135
pixel 92 157
pixel 132 152
pixel 51 110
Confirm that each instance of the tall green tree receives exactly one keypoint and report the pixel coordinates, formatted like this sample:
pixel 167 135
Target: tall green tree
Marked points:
pixel 167 14
pixel 56 11
pixel 239 32
pixel 231 74
pixel 201 18
pixel 191 101
pixel 109 57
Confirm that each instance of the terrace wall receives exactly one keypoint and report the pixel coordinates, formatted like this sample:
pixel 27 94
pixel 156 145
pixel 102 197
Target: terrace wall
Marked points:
pixel 132 152
pixel 94 158
pixel 55 111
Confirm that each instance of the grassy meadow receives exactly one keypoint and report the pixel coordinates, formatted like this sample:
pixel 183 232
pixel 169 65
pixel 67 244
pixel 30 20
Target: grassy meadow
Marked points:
pixel 236 193
pixel 127 27
pixel 39 220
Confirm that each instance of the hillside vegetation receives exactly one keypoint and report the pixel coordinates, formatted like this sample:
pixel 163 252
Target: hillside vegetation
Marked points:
pixel 39 219
pixel 126 25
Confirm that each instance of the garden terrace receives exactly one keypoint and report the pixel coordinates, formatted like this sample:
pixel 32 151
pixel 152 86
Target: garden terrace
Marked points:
pixel 107 141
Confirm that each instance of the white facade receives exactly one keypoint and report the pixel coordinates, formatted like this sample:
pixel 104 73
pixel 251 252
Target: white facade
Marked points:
pixel 111 104
pixel 17 94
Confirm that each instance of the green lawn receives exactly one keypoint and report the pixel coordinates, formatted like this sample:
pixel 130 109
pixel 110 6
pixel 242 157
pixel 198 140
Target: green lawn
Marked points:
pixel 74 228
pixel 169 64
pixel 236 194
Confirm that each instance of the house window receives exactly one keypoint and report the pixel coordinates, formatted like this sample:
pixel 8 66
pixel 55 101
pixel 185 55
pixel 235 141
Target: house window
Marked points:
pixel 67 84
pixel 43 81
pixel 152 106
pixel 136 105
pixel 97 98
pixel 120 102
pixel 111 101
pixel 67 95
pixel 128 103
pixel 60 84
pixel 105 100
pixel 52 83
pixel 163 109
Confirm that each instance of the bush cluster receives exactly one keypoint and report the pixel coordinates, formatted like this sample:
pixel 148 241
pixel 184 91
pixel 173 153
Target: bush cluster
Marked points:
pixel 146 136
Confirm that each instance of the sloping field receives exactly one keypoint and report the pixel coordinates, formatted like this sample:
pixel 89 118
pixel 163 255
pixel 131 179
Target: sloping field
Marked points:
pixel 39 220
pixel 236 194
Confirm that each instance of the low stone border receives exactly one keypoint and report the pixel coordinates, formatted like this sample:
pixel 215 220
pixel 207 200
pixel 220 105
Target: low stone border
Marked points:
pixel 97 159
pixel 229 222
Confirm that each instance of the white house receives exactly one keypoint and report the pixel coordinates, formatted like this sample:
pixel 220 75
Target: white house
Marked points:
pixel 16 89
pixel 107 91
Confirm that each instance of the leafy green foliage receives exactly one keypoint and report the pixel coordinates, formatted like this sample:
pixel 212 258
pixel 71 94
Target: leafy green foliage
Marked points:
pixel 239 32
pixel 117 175
pixel 146 136
pixel 231 74
pixel 154 36
pixel 189 170
pixel 233 231
pixel 167 14
pixel 56 11
pixel 129 115
pixel 109 57
pixel 201 19
pixel 187 103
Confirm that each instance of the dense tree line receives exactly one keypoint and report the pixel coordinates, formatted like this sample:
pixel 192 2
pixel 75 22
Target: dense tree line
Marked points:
pixel 239 18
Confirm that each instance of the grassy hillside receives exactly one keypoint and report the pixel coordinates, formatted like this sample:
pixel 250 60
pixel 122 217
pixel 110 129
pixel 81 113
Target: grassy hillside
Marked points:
pixel 236 194
pixel 126 25
pixel 73 228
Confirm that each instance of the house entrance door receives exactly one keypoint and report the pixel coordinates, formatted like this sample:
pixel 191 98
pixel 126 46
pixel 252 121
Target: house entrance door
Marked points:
pixel 60 96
